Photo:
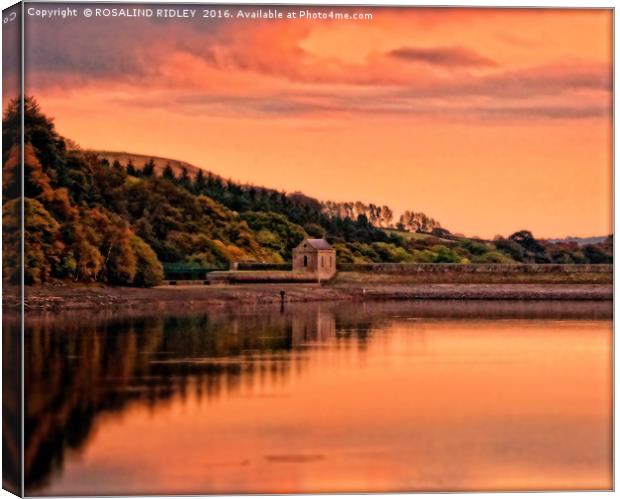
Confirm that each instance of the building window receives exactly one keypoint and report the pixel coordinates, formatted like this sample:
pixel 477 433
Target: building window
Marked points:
pixel 322 261
pixel 305 260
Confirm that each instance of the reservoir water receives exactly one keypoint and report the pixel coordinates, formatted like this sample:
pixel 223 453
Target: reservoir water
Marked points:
pixel 409 396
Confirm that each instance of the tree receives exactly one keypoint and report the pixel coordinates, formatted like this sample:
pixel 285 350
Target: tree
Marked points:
pixel 387 215
pixel 113 243
pixel 534 250
pixel 11 127
pixel 11 173
pixel 199 183
pixel 168 173
pixel 36 181
pixel 527 240
pixel 39 131
pixel 315 230
pixel 444 254
pixel 287 234
pixel 88 260
pixel 595 255
pixel 492 257
pixel 149 168
pixel 11 241
pixel 417 222
pixel 184 180
pixel 149 270
pixel 131 169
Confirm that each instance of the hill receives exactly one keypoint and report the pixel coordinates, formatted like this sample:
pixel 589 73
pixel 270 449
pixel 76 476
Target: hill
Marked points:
pixel 119 218
pixel 139 160
pixel 580 241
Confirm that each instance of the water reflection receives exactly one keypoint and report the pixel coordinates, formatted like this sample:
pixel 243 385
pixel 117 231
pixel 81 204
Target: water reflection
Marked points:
pixel 11 403
pixel 318 398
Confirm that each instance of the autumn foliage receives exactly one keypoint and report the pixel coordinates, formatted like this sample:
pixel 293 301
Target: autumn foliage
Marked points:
pixel 89 220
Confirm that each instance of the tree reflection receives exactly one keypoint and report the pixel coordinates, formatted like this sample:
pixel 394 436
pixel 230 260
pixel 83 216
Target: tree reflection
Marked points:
pixel 80 367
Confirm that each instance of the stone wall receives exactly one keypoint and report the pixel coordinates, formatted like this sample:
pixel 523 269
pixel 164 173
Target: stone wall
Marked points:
pixel 263 266
pixel 259 276
pixel 415 268
pixel 490 268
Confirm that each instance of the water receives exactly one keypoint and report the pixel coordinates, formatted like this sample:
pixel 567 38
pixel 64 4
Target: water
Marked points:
pixel 321 398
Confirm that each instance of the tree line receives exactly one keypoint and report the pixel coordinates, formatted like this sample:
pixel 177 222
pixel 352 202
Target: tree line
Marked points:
pixel 89 220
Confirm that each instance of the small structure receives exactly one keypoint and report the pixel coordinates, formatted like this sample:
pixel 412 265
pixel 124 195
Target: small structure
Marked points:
pixel 315 256
pixel 313 260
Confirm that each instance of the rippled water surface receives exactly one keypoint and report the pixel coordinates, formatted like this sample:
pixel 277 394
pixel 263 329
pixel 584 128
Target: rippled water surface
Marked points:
pixel 321 398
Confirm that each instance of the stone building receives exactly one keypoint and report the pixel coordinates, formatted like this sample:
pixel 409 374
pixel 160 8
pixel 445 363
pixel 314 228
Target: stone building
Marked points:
pixel 316 256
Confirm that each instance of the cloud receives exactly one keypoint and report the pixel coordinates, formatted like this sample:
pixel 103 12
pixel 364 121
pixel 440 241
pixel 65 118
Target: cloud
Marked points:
pixel 549 80
pixel 544 80
pixel 354 104
pixel 568 111
pixel 111 47
pixel 280 70
pixel 443 56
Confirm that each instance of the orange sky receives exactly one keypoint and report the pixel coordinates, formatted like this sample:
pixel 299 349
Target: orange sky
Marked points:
pixel 489 120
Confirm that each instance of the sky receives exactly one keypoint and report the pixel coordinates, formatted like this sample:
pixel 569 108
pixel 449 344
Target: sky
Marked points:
pixel 489 120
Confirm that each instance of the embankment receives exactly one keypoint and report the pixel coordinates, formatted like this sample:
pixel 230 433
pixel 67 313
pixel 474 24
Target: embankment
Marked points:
pixel 357 283
pixel 475 273
pixel 195 297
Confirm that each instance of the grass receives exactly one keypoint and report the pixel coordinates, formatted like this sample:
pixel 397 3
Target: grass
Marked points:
pixel 344 278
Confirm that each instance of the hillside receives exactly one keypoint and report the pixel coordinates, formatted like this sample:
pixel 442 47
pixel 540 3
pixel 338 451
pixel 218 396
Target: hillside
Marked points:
pixel 418 236
pixel 581 241
pixel 139 160
pixel 119 218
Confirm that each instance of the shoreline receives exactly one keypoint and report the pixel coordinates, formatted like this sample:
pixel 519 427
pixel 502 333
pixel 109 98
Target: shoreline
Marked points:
pixel 174 297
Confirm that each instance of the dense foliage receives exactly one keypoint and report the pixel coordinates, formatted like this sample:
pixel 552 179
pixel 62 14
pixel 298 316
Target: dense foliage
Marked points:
pixel 91 220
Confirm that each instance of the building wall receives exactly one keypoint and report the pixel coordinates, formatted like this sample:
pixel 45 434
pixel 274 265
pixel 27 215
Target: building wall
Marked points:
pixel 320 262
pixel 298 260
pixel 326 261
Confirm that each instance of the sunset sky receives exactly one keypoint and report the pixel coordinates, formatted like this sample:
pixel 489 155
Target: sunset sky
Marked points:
pixel 488 120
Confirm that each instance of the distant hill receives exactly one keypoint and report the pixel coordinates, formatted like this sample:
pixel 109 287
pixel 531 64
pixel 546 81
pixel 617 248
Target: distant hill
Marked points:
pixel 581 241
pixel 139 160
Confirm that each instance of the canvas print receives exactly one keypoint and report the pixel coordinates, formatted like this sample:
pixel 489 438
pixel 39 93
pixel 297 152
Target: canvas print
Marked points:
pixel 306 249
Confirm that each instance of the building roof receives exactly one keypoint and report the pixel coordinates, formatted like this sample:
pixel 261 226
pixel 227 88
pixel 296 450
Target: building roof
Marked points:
pixel 319 244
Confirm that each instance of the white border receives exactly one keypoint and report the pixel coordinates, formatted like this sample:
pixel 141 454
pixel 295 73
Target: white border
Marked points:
pixel 443 3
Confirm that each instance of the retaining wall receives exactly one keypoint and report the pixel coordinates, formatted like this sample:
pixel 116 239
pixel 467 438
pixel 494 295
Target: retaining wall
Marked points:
pixel 273 276
pixel 461 268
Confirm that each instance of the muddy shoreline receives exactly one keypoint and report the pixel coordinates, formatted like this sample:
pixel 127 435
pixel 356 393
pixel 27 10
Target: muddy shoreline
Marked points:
pixel 67 297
